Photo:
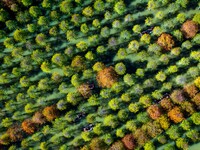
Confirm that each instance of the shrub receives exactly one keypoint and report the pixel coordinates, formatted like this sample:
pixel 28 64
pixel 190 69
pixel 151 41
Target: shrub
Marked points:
pixel 29 126
pixel 50 112
pixel 129 141
pixel 176 115
pixel 107 77
pixel 189 29
pixel 154 111
pixel 165 41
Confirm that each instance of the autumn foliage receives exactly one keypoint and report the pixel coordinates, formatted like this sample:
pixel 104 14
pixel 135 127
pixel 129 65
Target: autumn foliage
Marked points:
pixel 107 77
pixel 196 100
pixel 190 90
pixel 129 141
pixel 39 118
pixel 154 111
pixel 165 41
pixel 29 126
pixel 189 29
pixel 85 90
pixel 176 115
pixel 166 103
pixel 140 137
pixel 16 133
pixel 50 112
pixel 177 96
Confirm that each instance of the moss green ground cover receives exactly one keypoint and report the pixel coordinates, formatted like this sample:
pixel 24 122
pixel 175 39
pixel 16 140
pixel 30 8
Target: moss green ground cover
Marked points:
pixel 99 74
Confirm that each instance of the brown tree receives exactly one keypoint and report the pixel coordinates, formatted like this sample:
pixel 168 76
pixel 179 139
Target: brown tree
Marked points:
pixel 16 133
pixel 85 90
pixel 165 41
pixel 196 100
pixel 189 29
pixel 117 146
pixel 191 90
pixel 107 77
pixel 176 115
pixel 39 118
pixel 50 112
pixel 129 141
pixel 29 126
pixel 166 103
pixel 154 111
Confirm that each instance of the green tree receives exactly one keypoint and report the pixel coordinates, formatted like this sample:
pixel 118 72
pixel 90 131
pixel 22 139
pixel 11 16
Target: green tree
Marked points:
pixel 43 21
pixel 99 5
pixel 84 28
pixel 66 6
pixel 11 24
pixel 20 35
pixel 120 7
pixel 137 28
pixel 35 11
pixel 111 121
pixel 3 15
pixel 88 11
pixel 120 68
pixel 41 39
pixel 73 98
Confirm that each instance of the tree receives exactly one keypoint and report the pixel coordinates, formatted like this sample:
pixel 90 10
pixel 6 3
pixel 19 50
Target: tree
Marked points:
pixel 165 41
pixel 99 5
pixel 105 32
pixel 29 126
pixel 43 21
pixel 64 25
pixel 54 15
pixel 110 121
pixel 82 45
pixel 177 96
pixel 145 38
pixel 196 18
pixel 145 100
pixel 118 145
pixel 154 111
pixel 97 144
pixel 120 68
pixel 11 24
pixel 107 77
pixel 120 7
pixel 58 59
pixel 129 141
pixel 134 107
pixel 50 112
pixel 96 23
pixel 23 17
pixel 188 107
pixel 160 76
pixel 16 133
pixel 39 118
pixel 166 103
pixel 195 118
pixel 186 125
pixel 193 134
pixel 173 132
pixel 66 6
pixel 85 90
pixel 137 28
pixel 44 84
pixel 88 11
pixel 197 82
pixel 176 115
pixel 6 122
pixel 41 39
pixel 114 104
pixel 182 143
pixel 26 2
pixel 140 136
pixel 78 62
pixel 196 100
pixel 183 3
pixel 35 11
pixel 189 29
pixel 3 15
pixel 128 79
pixel 153 129
pixel 149 146
pixel 73 98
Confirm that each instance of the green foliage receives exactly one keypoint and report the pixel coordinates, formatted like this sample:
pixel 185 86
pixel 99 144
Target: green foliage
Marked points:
pixel 160 76
pixel 114 104
pixel 111 121
pixel 134 107
pixel 66 6
pixel 99 5
pixel 73 98
pixel 120 7
pixel 88 11
pixel 196 18
pixel 120 68
pixel 3 15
